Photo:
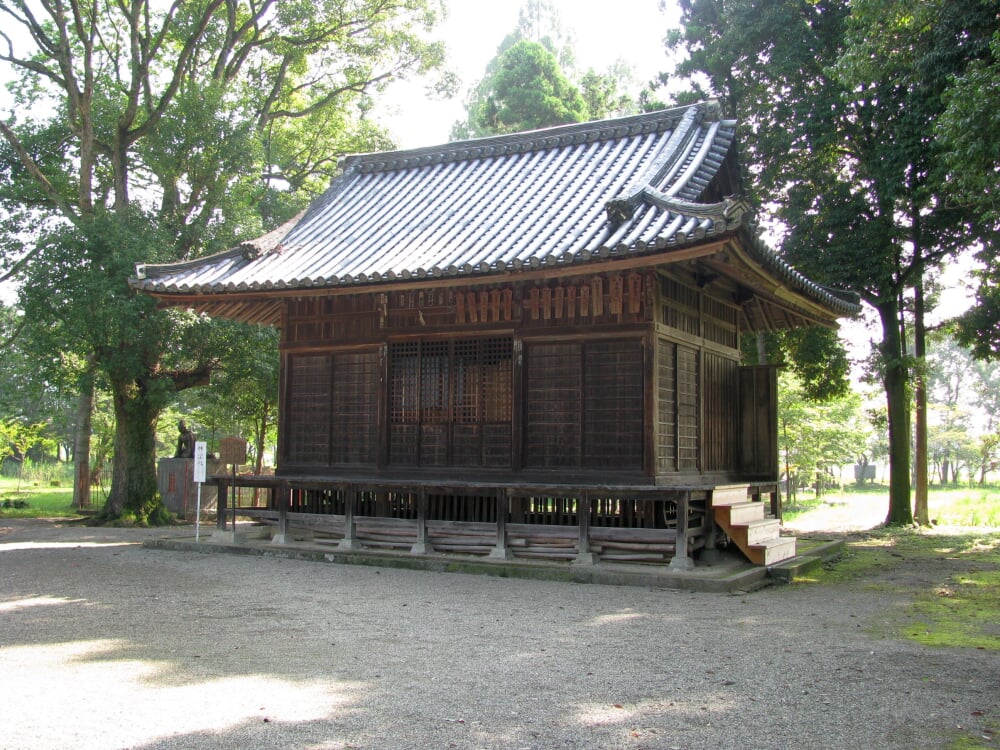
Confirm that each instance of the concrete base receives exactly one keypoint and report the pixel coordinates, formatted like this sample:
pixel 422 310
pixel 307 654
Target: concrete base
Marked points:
pixel 241 535
pixel 280 539
pixel 730 576
pixel 586 558
pixel 421 548
pixel 349 545
pixel 501 554
pixel 681 562
pixel 710 555
pixel 226 537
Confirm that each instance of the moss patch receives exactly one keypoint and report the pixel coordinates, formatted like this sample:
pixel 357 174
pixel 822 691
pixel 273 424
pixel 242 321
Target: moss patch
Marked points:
pixel 965 611
pixel 951 577
pixel 981 735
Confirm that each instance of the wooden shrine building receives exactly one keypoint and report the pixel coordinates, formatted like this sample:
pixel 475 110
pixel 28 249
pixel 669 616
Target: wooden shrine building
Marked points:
pixel 524 345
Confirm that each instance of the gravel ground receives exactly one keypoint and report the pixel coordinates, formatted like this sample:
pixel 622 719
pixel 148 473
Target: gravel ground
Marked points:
pixel 106 644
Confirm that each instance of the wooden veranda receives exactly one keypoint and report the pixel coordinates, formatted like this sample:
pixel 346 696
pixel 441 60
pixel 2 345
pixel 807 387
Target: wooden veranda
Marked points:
pixel 582 524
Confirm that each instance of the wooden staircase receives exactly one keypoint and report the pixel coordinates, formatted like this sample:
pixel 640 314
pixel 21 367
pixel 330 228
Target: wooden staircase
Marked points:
pixel 744 521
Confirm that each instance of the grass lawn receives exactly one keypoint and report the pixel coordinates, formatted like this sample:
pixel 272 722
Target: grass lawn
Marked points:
pixel 35 500
pixel 947 505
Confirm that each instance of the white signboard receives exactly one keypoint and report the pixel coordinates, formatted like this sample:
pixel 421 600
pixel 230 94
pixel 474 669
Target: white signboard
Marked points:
pixel 200 460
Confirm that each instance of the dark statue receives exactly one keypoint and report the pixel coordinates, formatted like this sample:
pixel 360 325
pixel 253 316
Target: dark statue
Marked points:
pixel 185 441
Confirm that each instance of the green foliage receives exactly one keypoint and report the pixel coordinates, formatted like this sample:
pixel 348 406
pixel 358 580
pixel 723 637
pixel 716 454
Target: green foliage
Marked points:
pixel 526 91
pixel 16 438
pixel 532 82
pixel 971 153
pixel 968 122
pixel 165 132
pixel 816 355
pixel 604 94
pixel 34 501
pixel 965 408
pixel 839 103
pixel 813 438
pixel 242 398
pixel 979 327
pixel 964 506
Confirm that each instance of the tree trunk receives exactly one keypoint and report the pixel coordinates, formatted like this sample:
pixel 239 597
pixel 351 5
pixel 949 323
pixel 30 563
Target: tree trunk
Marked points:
pixel 81 441
pixel 895 379
pixel 920 511
pixel 134 497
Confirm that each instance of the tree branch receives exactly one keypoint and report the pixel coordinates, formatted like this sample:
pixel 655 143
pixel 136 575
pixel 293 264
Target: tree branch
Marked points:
pixel 53 195
pixel 6 343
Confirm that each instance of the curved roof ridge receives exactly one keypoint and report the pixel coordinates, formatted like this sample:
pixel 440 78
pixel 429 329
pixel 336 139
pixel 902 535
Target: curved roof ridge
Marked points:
pixel 732 208
pixel 532 140
pixel 156 270
pixel 842 301
pixel 623 206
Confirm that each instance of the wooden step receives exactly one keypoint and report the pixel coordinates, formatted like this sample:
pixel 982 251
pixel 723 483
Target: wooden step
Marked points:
pixel 772 551
pixel 729 494
pixel 741 514
pixel 755 532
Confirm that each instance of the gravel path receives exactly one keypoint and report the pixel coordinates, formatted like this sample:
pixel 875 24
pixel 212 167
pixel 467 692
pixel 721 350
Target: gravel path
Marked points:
pixel 106 644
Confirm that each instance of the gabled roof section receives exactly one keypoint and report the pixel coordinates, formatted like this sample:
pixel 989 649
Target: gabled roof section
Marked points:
pixel 497 203
pixel 575 194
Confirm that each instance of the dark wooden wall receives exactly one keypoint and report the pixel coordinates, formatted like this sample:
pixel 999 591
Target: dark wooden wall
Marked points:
pixel 630 374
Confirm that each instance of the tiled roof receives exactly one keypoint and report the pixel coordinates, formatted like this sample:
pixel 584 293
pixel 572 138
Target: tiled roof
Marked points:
pixel 547 198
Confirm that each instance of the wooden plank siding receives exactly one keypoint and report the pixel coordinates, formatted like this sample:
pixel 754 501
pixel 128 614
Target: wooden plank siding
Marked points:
pixel 633 375
pixel 330 416
pixel 584 404
pixel 697 388
pixel 721 398
pixel 758 454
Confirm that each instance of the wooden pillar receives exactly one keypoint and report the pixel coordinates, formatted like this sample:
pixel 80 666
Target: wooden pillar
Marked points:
pixel 583 554
pixel 350 540
pixel 501 551
pixel 221 501
pixel 421 547
pixel 682 557
pixel 517 406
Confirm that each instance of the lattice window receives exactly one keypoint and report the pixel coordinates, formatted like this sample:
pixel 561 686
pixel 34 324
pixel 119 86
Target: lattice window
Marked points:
pixel 308 419
pixel 666 446
pixel 451 402
pixel 679 417
pixel 554 418
pixel 613 409
pixel 688 416
pixel 354 406
pixel 332 407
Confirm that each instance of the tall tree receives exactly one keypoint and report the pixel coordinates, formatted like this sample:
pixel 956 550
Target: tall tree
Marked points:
pixel 533 81
pixel 840 105
pixel 525 90
pixel 167 130
pixel 968 128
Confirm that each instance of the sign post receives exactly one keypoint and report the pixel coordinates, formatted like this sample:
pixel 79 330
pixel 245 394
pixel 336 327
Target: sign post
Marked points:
pixel 232 450
pixel 200 464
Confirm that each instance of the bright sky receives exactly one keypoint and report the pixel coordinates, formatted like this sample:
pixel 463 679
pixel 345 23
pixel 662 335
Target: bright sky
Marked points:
pixel 628 30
